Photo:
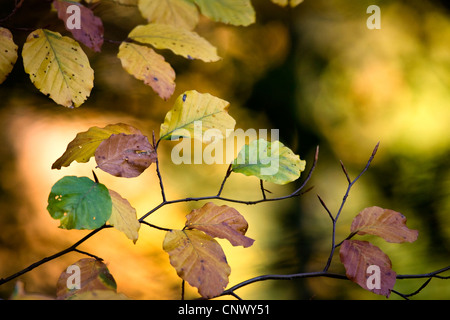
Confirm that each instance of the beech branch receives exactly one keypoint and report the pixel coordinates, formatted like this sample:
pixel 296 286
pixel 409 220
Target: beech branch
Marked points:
pixel 326 274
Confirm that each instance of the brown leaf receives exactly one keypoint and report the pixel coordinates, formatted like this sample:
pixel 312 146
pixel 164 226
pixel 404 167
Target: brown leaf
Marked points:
pixel 385 223
pixel 90 31
pixel 222 222
pixel 125 155
pixel 199 260
pixel 92 274
pixel 368 266
pixel 83 147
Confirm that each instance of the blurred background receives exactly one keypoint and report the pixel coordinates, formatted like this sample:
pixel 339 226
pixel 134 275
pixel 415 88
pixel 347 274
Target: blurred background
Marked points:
pixel 316 73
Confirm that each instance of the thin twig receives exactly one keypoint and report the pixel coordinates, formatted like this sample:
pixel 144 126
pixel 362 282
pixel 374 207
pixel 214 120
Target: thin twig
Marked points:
pixel 261 184
pixel 182 289
pixel 326 208
pixel 327 274
pixel 88 254
pixel 282 277
pixel 296 193
pixel 155 146
pixel 229 170
pixel 154 226
pixel 344 199
pixel 17 5
pixel 56 255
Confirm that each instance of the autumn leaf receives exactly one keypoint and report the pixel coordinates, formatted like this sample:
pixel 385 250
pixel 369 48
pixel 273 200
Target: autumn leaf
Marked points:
pixel 235 12
pixel 220 221
pixel 385 223
pixel 178 13
pixel 283 3
pixel 366 265
pixel 180 41
pixel 79 203
pixel 93 275
pixel 199 260
pixel 98 295
pixel 8 53
pixel 58 67
pixel 125 155
pixel 123 216
pixel 83 147
pixel 90 31
pixel 147 65
pixel 269 161
pixel 194 113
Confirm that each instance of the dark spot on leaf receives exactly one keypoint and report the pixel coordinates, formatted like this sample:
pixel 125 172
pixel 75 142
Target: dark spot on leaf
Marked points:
pixel 184 97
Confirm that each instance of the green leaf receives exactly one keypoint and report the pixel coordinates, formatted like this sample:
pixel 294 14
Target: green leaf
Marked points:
pixel 58 67
pixel 269 161
pixel 235 12
pixel 8 53
pixel 180 41
pixel 192 109
pixel 79 203
pixel 83 147
pixel 178 13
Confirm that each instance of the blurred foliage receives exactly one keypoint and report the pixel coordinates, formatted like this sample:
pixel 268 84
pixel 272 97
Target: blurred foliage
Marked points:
pixel 316 73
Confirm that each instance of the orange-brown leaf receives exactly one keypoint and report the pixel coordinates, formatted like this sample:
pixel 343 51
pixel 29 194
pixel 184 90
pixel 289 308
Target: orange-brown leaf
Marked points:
pixel 385 223
pixel 222 222
pixel 125 155
pixel 359 257
pixel 199 260
pixel 93 275
pixel 90 31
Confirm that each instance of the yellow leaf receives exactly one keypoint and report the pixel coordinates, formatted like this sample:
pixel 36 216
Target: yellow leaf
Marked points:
pixel 58 67
pixel 199 260
pixel 123 216
pixel 222 222
pixel 178 13
pixel 8 53
pixel 180 41
pixel 193 109
pixel 235 12
pixel 283 3
pixel 83 147
pixel 385 223
pixel 146 65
